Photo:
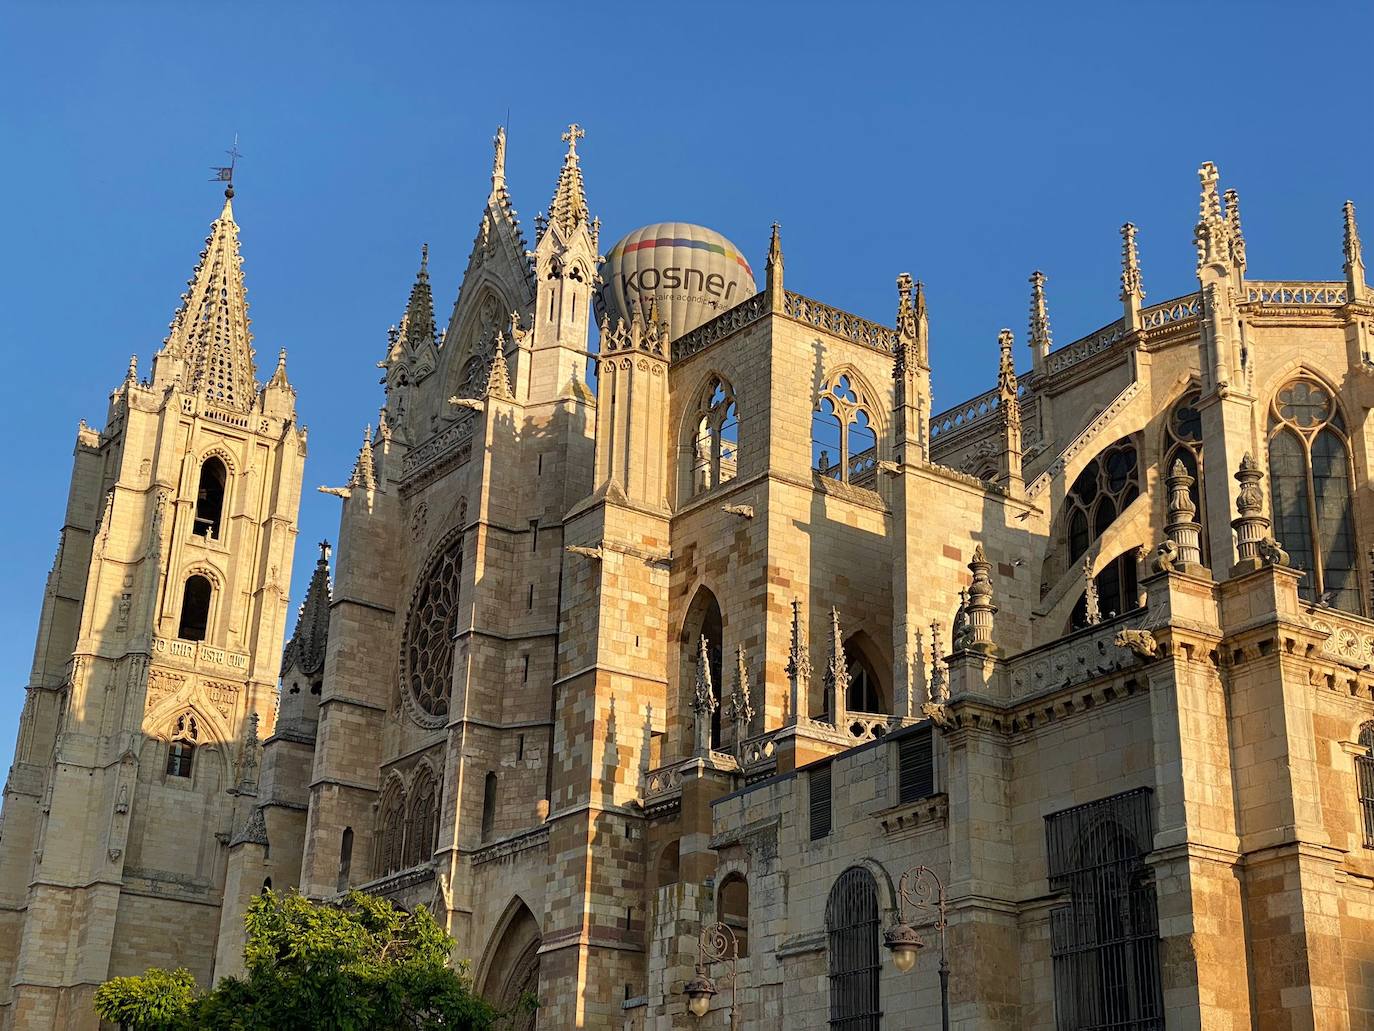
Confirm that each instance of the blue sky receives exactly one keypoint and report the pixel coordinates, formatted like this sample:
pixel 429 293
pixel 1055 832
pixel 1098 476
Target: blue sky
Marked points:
pixel 966 143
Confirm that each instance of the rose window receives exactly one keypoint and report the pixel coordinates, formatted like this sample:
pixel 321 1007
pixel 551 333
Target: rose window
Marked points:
pixel 428 654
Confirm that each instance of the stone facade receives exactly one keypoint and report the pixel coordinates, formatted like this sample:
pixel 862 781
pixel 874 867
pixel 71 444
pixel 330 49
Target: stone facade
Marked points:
pixel 1087 657
pixel 155 670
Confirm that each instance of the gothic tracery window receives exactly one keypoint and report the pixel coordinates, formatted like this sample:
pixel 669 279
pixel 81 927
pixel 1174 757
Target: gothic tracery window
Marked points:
pixel 391 850
pixel 1183 443
pixel 715 445
pixel 844 444
pixel 1310 484
pixel 428 655
pixel 181 752
pixel 1101 493
pixel 422 827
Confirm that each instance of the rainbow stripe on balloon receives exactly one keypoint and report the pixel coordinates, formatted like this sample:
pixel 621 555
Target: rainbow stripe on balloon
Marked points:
pixel 669 241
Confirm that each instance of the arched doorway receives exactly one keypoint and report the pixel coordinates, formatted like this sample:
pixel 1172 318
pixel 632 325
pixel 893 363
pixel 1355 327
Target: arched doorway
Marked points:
pixel 512 967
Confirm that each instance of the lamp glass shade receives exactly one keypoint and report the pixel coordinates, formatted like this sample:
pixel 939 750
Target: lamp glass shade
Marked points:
pixel 699 1003
pixel 904 957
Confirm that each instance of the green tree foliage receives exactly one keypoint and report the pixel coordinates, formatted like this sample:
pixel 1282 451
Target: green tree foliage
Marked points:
pixel 363 965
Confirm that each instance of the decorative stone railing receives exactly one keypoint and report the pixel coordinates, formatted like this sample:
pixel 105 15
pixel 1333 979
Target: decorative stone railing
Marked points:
pixel 1089 433
pixel 961 416
pixel 1081 350
pixel 453 437
pixel 228 418
pixel 1326 295
pixel 198 653
pixel 1083 655
pixel 840 323
pixel 1352 638
pixel 758 751
pixel 748 311
pixel 1180 309
pixel 857 727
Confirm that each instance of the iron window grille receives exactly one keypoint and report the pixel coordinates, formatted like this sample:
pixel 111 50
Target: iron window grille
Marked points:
pixel 1364 779
pixel 851 924
pixel 1105 941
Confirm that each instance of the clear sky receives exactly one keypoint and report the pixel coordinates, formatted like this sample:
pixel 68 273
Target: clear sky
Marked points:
pixel 966 143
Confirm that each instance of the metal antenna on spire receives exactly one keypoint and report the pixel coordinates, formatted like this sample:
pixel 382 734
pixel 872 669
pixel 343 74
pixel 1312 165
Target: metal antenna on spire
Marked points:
pixel 225 173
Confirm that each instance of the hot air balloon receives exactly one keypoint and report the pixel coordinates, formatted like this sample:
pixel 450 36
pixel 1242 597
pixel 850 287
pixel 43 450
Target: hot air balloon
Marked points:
pixel 693 273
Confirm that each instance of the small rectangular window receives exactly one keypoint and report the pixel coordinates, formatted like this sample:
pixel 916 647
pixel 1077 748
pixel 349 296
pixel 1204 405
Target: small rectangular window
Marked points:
pixel 525 671
pixel 179 755
pixel 534 535
pixel 915 767
pixel 818 782
pixel 529 602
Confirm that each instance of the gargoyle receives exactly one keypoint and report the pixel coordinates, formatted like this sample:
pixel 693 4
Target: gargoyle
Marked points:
pixel 1164 557
pixel 1142 642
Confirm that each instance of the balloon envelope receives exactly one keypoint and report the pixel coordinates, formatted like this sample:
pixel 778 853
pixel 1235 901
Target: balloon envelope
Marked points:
pixel 692 272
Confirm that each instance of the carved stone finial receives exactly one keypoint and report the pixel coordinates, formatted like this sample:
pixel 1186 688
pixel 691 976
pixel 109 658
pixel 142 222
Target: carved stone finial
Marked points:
pixel 1251 526
pixel 979 606
pixel 1354 255
pixel 703 697
pixel 836 672
pixel 1041 339
pixel 1132 283
pixel 498 161
pixel 798 663
pixel 498 377
pixel 1092 606
pixel 1007 386
pixel 1181 527
pixel 1237 238
pixel 1213 233
pixel 939 678
pixel 741 704
pixel 132 375
pixel 773 278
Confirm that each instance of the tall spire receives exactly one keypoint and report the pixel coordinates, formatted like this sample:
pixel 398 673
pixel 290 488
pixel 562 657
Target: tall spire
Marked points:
pixel 1132 286
pixel 307 644
pixel 210 330
pixel 1040 339
pixel 1354 255
pixel 417 324
pixel 568 209
pixel 364 469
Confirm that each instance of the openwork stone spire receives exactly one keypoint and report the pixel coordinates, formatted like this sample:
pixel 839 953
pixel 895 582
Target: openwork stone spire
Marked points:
pixel 568 209
pixel 703 697
pixel 1040 339
pixel 836 672
pixel 1354 255
pixel 741 706
pixel 210 330
pixel 306 647
pixel 1182 528
pixel 798 665
pixel 364 469
pixel 980 607
pixel 1132 285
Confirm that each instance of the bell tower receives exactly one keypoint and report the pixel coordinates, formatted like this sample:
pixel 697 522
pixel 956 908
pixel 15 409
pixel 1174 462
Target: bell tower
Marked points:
pixel 155 669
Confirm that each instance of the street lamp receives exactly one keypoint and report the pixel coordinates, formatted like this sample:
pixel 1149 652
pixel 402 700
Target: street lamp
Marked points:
pixel 717 944
pixel 926 891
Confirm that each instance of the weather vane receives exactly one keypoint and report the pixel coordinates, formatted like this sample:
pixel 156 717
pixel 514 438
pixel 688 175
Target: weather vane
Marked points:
pixel 225 173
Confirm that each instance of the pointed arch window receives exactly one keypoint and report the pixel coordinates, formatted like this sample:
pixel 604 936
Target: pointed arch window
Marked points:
pixel 1310 483
pixel 1183 443
pixel 715 444
pixel 195 608
pixel 182 749
pixel 391 850
pixel 210 492
pixel 851 925
pixel 844 443
pixel 865 692
pixel 1118 591
pixel 423 825
pixel 1102 491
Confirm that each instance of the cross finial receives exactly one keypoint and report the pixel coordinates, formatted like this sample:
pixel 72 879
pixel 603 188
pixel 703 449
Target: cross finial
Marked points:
pixel 324 551
pixel 575 132
pixel 225 173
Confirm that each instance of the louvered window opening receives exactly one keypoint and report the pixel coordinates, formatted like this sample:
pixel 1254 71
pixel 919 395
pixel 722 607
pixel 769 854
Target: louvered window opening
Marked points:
pixel 1364 778
pixel 851 924
pixel 915 767
pixel 1105 942
pixel 819 797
